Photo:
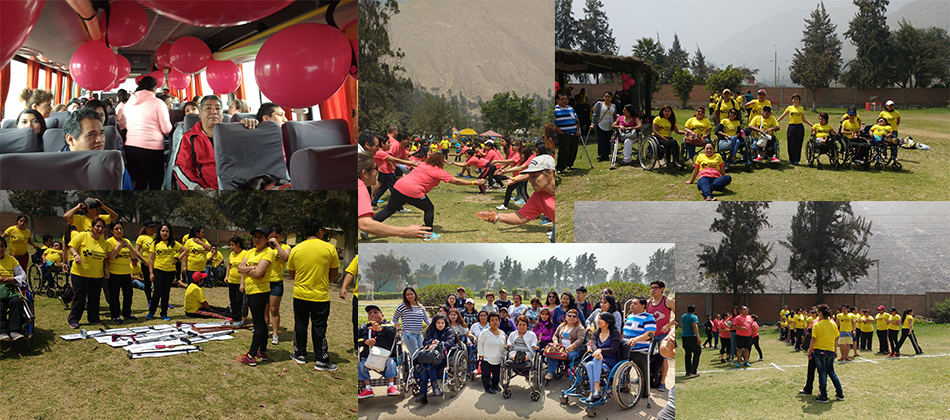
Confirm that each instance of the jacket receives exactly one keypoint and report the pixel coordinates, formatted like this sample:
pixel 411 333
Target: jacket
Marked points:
pixel 194 164
pixel 384 338
pixel 146 118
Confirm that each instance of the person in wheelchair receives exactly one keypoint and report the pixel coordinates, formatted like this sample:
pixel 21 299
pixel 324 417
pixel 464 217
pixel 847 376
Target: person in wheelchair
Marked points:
pixel 11 275
pixel 521 340
pixel 53 256
pixel 663 127
pixel 765 125
pixel 728 132
pixel 821 132
pixel 851 129
pixel 460 327
pixel 628 125
pixel 439 338
pixel 698 130
pixel 605 346
pixel 608 304
pixel 381 333
pixel 570 336
pixel 638 331
pixel 881 132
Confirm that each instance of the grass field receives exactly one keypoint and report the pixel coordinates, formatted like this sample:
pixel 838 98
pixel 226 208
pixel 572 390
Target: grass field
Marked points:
pixel 924 176
pixel 455 219
pixel 57 379
pixel 909 387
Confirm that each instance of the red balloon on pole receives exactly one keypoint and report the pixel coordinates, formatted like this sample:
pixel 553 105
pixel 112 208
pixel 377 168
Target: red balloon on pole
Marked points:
pixel 215 13
pixel 178 80
pixel 161 56
pixel 223 76
pixel 16 23
pixel 93 65
pixel 189 55
pixel 159 77
pixel 128 23
pixel 298 75
pixel 124 68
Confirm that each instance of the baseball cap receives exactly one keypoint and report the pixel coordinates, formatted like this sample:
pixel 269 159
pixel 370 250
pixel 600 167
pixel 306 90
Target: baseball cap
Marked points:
pixel 469 300
pixel 260 229
pixel 371 306
pixel 725 91
pixel 893 309
pixel 148 222
pixel 881 307
pixel 199 275
pixel 460 288
pixel 852 111
pixel 889 103
pixel 766 109
pixel 91 203
pixel 762 91
pixel 540 163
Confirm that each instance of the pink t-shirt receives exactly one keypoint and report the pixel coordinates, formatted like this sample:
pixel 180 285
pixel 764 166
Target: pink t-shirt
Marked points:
pixel 755 329
pixel 723 328
pixel 363 206
pixel 540 202
pixel 421 180
pixel 477 162
pixel 493 155
pixel 385 166
pixel 519 162
pixel 743 321
pixel 146 118
pixel 397 150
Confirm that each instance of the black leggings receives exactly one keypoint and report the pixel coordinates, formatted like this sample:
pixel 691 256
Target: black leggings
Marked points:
pixel 146 167
pixel 116 282
pixel 236 299
pixel 386 182
pixel 163 286
pixel 755 343
pixel 147 281
pixel 724 346
pixel 89 289
pixel 892 338
pixel 488 174
pixel 521 187
pixel 709 336
pixel 913 340
pixel 490 375
pixel 257 303
pixel 671 149
pixel 397 199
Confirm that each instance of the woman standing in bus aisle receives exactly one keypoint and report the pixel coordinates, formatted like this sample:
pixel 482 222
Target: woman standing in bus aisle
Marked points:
pixel 33 119
pixel 236 297
pixel 161 266
pixel 413 316
pixel 142 245
pixel 604 115
pixel 907 330
pixel 796 129
pixel 195 255
pixel 387 169
pixel 255 281
pixel 19 237
pixel 238 106
pixel 366 170
pixel 38 100
pixel 88 251
pixel 272 315
pixel 146 119
pixel 120 252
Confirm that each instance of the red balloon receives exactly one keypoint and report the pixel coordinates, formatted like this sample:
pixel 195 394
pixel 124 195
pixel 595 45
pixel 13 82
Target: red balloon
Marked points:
pixel 161 56
pixel 215 13
pixel 128 23
pixel 557 86
pixel 299 75
pixel 93 65
pixel 223 76
pixel 124 68
pixel 189 55
pixel 178 80
pixel 16 23
pixel 355 67
pixel 159 77
pixel 139 78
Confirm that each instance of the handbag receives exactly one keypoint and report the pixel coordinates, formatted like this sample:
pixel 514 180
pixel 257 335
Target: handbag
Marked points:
pixel 555 351
pixel 377 356
pixel 429 357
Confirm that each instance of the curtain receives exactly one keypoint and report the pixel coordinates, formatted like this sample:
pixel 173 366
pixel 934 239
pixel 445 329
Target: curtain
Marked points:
pixel 342 105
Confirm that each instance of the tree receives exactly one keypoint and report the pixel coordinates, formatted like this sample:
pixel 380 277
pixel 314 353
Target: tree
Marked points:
pixel 728 78
pixel 565 26
pixel 662 267
pixel 682 86
pixel 829 246
pixel 700 68
pixel 386 268
pixel 506 112
pixel 451 269
pixel 433 116
pixel 473 276
pixel 617 275
pixel 517 273
pixel 595 35
pixel 489 269
pixel 381 79
pixel 873 64
pixel 504 271
pixel 651 51
pixel 740 260
pixel 633 273
pixel 426 270
pixel 818 62
pixel 922 56
pixel 676 59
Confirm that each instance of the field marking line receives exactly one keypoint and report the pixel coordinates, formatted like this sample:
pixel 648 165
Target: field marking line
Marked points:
pixel 798 366
pixel 777 367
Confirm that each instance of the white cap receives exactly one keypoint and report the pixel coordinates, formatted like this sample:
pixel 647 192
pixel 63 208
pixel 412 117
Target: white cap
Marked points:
pixel 889 103
pixel 540 163
pixel 469 300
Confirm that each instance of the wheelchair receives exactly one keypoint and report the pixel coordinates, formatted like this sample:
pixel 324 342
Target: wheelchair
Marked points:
pixel 43 278
pixel 452 378
pixel 29 316
pixel 620 383
pixel 532 370
pixel 884 155
pixel 689 147
pixel 832 147
pixel 570 367
pixel 618 139
pixel 771 147
pixel 743 153
pixel 649 153
pixel 401 356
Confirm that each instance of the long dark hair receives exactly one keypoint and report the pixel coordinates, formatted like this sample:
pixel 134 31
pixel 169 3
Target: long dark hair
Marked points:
pixel 609 319
pixel 39 119
pixel 612 302
pixel 672 118
pixel 171 236
pixel 904 315
pixel 550 322
pixel 237 241
pixel 147 83
pixel 406 301
pixel 435 320
pixel 547 300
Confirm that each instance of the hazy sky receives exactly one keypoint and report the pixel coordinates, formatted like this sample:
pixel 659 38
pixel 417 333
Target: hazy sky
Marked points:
pixel 608 255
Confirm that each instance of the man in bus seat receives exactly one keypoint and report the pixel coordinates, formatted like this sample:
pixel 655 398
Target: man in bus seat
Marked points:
pixel 84 132
pixel 194 168
pixel 270 111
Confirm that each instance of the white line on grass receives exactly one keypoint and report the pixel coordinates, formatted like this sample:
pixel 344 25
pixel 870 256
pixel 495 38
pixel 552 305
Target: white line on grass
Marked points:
pixel 776 366
pixel 798 366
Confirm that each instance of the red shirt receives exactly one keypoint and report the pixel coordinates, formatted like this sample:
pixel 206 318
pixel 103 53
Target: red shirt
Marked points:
pixel 363 205
pixel 661 313
pixel 397 150
pixel 522 162
pixel 194 163
pixel 385 166
pixel 723 328
pixel 743 321
pixel 477 162
pixel 540 202
pixel 755 329
pixel 421 180
pixel 493 155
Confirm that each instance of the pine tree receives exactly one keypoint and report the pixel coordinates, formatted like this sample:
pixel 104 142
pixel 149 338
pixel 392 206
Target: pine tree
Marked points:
pixel 873 65
pixel 698 65
pixel 676 59
pixel 740 260
pixel 818 62
pixel 595 35
pixel 565 26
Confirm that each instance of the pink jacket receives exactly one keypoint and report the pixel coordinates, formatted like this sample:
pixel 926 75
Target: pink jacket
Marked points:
pixel 146 118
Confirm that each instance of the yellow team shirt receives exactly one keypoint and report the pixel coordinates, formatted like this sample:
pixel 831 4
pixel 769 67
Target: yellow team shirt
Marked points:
pixel 122 263
pixel 193 298
pixel 799 322
pixel 216 258
pixel 891 117
pixel 353 269
pixel 908 321
pixel 853 127
pixel 145 243
pixel 197 255
pixel 254 285
pixel 881 130
pixel 234 260
pixel 17 239
pixel 445 144
pixel 882 321
pixel 783 313
pixel 895 318
pixel 276 270
pixel 137 271
pixel 757 106
pixel 311 262
pixel 701 127
pixel 795 114
pixel 825 332
pixel 165 255
pixel 845 319
pixel 84 223
pixel 725 106
pixel 856 118
pixel 8 266
pixel 664 126
pixel 868 324
pixel 768 123
pixel 822 131
pixel 730 127
pixel 54 255
pixel 93 253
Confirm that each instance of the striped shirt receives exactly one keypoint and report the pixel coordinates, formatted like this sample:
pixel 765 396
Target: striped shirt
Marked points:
pixel 635 326
pixel 565 119
pixel 412 318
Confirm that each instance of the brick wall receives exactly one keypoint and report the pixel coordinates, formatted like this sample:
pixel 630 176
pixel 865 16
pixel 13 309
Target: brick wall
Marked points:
pixel 825 97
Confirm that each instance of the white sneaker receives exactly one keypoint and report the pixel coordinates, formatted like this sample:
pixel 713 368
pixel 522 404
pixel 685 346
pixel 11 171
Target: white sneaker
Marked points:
pixel 4 337
pixel 405 210
pixel 274 339
pixel 15 335
pixel 501 207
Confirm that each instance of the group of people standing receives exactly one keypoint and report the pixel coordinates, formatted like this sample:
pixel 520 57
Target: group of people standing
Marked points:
pixel 856 328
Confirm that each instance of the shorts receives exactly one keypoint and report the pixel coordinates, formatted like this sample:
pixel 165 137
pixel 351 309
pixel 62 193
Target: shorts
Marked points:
pixel 743 342
pixel 276 288
pixel 845 337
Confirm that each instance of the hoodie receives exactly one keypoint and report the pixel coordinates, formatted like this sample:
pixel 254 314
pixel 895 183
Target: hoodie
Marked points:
pixel 146 118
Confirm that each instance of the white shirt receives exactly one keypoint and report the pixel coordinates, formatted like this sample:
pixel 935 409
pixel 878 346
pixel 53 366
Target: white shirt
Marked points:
pixel 530 338
pixel 477 329
pixel 515 311
pixel 491 347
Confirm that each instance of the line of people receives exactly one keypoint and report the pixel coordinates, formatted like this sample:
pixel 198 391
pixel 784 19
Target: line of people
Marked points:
pixel 856 328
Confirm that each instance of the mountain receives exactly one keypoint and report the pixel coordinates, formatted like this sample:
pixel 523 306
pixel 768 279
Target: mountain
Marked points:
pixel 477 48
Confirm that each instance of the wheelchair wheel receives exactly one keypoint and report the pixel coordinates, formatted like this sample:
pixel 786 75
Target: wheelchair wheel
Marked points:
pixel 50 293
pixel 591 413
pixel 506 393
pixel 35 277
pixel 539 371
pixel 878 165
pixel 647 152
pixel 460 371
pixel 810 154
pixel 535 395
pixel 583 387
pixel 626 392
pixel 896 166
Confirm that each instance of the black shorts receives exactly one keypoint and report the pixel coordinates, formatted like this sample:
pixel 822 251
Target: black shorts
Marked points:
pixel 743 342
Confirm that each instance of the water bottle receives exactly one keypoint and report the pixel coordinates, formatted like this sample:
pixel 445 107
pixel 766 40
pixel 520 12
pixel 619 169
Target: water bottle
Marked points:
pixel 487 215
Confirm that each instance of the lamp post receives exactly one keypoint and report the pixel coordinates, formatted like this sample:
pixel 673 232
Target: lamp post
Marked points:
pixel 775 61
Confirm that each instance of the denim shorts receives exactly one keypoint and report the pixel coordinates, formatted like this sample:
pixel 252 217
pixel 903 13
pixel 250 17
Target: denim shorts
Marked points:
pixel 276 288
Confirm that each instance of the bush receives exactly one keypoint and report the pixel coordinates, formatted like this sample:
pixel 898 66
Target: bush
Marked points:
pixel 387 295
pixel 481 293
pixel 537 293
pixel 941 312
pixel 433 296
pixel 623 291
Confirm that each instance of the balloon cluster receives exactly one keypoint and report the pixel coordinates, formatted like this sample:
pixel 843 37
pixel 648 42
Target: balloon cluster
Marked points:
pixel 628 81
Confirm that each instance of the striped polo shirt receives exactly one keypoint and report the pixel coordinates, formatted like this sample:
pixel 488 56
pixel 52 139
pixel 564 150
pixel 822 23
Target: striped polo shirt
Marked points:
pixel 636 325
pixel 565 119
pixel 412 318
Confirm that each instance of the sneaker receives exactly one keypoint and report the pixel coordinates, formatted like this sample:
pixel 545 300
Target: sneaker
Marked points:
pixel 380 201
pixel 436 391
pixel 548 377
pixel 775 159
pixel 501 207
pixel 392 391
pixel 5 337
pixel 65 304
pixel 547 223
pixel 166 318
pixel 274 340
pixel 325 366
pixel 132 318
pixel 761 359
pixel 839 397
pixel 803 392
pixel 821 400
pixel 239 325
pixel 746 364
pixel 117 320
pixel 14 335
pixel 247 360
pixel 739 365
pixel 301 360
pixel 758 159
pixel 519 201
pixel 432 237
pixel 364 235
pixel 662 388
pixel 262 355
pixel 367 393
pixel 468 177
pixel 404 210
pixel 73 325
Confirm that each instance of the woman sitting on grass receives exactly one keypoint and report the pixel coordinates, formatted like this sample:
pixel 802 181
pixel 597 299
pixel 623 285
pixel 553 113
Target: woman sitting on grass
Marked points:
pixel 711 171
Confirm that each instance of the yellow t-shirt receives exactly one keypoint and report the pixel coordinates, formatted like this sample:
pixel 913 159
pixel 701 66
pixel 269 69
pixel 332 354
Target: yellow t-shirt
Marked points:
pixel 276 270
pixel 664 126
pixel 137 271
pixel 844 319
pixel 853 127
pixel 8 266
pixel 216 258
pixel 891 117
pixel 908 321
pixel 234 260
pixel 882 320
pixel 122 263
pixel 145 243
pixel 799 322
pixel 445 144
pixel 254 285
pixel 809 320
pixel 54 255
pixel 822 131
pixel 311 262
pixel 730 127
pixel 766 124
pixel 704 163
pixel 193 298
pixel 895 318
pixel 93 253
pixel 17 240
pixel 84 223
pixel 353 269
pixel 868 324
pixel 825 332
pixel 881 130
pixel 795 114
pixel 197 255
pixel 757 106
pixel 725 106
pixel 701 127
pixel 165 255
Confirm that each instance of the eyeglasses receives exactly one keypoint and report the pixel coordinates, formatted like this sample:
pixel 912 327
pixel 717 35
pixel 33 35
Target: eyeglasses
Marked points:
pixel 572 316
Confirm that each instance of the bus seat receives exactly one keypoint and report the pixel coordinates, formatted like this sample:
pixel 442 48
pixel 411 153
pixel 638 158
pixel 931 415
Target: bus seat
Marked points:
pixel 323 168
pixel 98 170
pixel 190 121
pixel 178 105
pixel 303 134
pixel 242 115
pixel 113 138
pixel 54 139
pixel 19 140
pixel 52 123
pixel 171 153
pixel 241 154
pixel 110 120
pixel 8 123
pixel 61 116
pixel 176 115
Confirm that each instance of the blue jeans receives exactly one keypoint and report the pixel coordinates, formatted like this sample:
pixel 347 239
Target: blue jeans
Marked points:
pixel 594 368
pixel 708 184
pixel 430 373
pixel 825 363
pixel 732 346
pixel 732 145
pixel 362 372
pixel 552 364
pixel 413 341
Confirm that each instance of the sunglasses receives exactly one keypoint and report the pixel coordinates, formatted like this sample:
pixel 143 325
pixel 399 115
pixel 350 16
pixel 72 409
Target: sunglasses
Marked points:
pixel 572 316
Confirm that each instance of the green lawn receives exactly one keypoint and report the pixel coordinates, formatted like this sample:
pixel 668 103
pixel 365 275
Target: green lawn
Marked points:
pixel 455 217
pixel 906 387
pixel 923 177
pixel 57 379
